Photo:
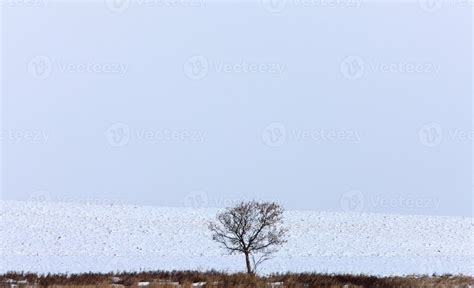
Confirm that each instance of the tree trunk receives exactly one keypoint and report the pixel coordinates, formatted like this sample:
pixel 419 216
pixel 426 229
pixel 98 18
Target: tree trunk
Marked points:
pixel 247 262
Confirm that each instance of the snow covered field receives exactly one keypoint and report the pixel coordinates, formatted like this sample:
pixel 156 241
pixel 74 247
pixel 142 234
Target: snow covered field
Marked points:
pixel 67 237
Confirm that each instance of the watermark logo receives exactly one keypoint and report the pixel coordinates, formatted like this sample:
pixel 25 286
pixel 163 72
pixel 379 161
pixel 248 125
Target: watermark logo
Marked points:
pixel 353 67
pixel 431 134
pixel 40 196
pixel 353 201
pixel 274 134
pixel 117 6
pixel 196 67
pixel 40 67
pixel 430 5
pixel 274 6
pixel 118 134
pixel 196 200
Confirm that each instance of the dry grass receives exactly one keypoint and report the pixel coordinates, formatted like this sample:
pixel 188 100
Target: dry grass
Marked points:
pixel 185 279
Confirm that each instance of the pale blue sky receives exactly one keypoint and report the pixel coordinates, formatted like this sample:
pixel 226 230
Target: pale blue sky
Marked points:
pixel 343 107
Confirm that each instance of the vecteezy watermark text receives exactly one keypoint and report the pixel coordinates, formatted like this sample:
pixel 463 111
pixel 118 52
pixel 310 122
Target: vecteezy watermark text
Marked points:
pixel 120 134
pixel 201 199
pixel 41 67
pixel 405 202
pixel 197 67
pixel 357 201
pixel 118 6
pixel 276 134
pixel 278 6
pixel 42 196
pixel 24 3
pixel 38 136
pixel 165 135
pixel 97 68
pixel 355 67
pixel 245 67
pixel 436 5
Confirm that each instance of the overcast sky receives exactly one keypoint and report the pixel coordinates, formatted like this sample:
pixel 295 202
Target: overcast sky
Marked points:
pixel 354 106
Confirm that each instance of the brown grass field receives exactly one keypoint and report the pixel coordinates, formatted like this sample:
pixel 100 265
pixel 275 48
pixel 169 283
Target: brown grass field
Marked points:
pixel 190 279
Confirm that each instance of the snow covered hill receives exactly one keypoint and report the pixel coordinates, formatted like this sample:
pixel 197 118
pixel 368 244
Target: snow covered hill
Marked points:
pixel 67 237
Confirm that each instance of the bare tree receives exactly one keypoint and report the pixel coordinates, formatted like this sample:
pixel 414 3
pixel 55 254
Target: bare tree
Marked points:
pixel 252 228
